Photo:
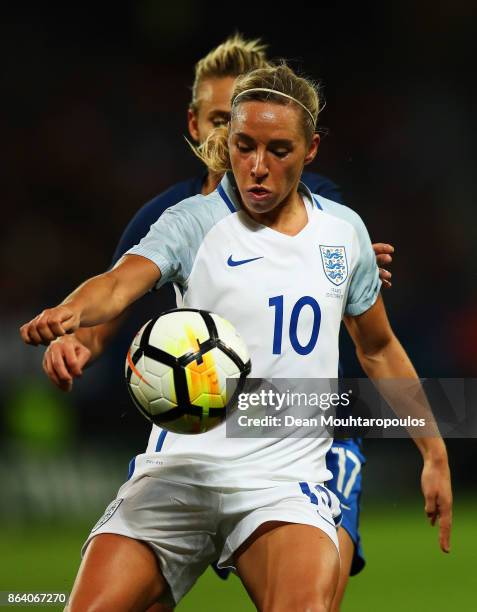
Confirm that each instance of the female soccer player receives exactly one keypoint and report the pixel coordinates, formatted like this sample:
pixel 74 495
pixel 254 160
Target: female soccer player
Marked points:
pixel 215 76
pixel 259 504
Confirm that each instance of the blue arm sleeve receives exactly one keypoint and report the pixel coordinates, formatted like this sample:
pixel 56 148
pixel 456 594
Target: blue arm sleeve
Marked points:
pixel 150 213
pixel 322 186
pixel 138 227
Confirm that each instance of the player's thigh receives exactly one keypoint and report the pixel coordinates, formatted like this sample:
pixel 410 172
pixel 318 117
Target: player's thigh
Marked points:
pixel 117 573
pixel 288 566
pixel 346 557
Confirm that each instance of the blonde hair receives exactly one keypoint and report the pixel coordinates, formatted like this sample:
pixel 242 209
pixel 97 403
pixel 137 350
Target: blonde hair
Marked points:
pixel 214 152
pixel 233 57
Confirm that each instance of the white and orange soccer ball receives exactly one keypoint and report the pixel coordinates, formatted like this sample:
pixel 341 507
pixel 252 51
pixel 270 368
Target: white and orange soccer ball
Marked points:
pixel 177 369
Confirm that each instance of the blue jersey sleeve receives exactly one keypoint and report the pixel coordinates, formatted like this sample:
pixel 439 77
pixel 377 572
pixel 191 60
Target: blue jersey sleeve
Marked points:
pixel 146 216
pixel 322 186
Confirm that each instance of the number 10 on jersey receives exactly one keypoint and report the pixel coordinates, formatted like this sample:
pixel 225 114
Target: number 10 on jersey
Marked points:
pixel 277 303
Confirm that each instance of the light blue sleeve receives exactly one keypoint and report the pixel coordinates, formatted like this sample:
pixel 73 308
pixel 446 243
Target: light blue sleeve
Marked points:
pixel 365 283
pixel 174 239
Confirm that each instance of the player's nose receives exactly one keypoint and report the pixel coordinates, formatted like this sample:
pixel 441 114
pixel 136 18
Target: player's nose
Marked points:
pixel 259 165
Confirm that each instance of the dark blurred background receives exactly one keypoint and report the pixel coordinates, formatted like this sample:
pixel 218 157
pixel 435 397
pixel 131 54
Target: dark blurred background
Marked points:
pixel 93 118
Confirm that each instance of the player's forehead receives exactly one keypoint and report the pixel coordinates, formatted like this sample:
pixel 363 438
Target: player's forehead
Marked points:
pixel 267 120
pixel 215 93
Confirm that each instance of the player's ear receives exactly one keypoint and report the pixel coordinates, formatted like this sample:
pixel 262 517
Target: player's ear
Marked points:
pixel 193 124
pixel 312 149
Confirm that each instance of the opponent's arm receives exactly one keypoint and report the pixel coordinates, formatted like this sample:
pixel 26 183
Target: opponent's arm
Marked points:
pixel 382 357
pixel 65 357
pixel 98 300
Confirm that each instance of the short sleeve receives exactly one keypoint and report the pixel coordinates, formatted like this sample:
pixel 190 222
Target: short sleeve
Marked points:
pixel 174 239
pixel 136 229
pixel 365 283
pixel 168 245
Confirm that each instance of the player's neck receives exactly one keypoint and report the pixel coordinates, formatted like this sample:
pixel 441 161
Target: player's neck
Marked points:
pixel 211 183
pixel 290 217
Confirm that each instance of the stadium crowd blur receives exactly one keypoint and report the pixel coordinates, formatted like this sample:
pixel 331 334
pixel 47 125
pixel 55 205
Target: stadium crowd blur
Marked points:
pixel 93 122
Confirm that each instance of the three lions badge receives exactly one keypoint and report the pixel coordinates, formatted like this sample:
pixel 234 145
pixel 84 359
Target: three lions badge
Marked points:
pixel 335 264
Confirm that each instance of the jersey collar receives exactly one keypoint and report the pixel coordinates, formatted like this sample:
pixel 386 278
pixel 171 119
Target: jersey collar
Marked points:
pixel 229 193
pixel 305 190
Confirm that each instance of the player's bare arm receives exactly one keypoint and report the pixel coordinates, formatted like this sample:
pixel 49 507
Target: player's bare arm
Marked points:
pixel 382 357
pixel 99 299
pixel 66 357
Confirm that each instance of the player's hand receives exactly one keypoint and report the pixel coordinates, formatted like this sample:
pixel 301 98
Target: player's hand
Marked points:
pixel 50 324
pixel 436 487
pixel 64 360
pixel 383 254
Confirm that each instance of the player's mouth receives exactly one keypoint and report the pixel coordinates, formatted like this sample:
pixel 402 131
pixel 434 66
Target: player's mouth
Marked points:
pixel 257 193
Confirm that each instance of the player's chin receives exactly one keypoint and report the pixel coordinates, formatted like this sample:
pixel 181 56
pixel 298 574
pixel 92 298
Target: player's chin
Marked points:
pixel 259 205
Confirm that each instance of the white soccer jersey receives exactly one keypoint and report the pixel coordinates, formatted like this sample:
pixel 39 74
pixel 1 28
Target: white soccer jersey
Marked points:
pixel 286 296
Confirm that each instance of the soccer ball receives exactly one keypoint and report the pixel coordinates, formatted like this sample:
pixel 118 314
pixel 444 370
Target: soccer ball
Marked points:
pixel 178 365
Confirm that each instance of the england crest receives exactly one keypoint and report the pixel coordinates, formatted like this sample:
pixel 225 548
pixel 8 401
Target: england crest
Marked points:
pixel 110 510
pixel 335 264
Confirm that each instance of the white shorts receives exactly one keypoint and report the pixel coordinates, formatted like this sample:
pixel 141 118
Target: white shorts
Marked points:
pixel 189 526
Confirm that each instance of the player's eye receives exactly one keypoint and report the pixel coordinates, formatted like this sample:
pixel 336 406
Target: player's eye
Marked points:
pixel 280 152
pixel 243 148
pixel 218 122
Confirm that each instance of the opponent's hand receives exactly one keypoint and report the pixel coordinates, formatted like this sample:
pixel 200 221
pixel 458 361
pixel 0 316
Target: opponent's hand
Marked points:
pixel 50 324
pixel 383 254
pixel 436 487
pixel 64 360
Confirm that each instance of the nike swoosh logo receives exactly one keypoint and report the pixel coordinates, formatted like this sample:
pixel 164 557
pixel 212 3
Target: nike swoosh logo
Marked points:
pixel 240 262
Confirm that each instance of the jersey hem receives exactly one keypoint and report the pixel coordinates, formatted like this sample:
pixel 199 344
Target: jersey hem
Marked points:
pixel 355 310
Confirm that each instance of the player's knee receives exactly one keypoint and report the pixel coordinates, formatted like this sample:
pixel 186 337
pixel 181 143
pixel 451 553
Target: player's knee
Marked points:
pixel 106 601
pixel 97 605
pixel 107 604
pixel 301 602
pixel 301 606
